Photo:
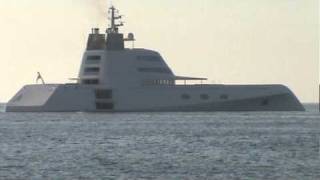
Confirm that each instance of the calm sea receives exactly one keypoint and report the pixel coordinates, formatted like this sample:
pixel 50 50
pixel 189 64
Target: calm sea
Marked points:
pixel 259 145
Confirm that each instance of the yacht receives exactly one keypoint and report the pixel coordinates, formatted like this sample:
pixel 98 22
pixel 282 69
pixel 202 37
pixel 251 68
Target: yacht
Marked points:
pixel 113 78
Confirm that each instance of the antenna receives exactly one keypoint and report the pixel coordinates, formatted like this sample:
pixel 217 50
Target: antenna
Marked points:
pixel 114 16
pixel 39 77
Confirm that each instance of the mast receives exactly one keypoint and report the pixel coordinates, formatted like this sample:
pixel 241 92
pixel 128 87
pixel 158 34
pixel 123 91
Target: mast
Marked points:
pixel 115 40
pixel 114 15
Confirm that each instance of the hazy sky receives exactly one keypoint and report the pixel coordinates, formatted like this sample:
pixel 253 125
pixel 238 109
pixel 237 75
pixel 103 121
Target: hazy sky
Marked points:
pixel 228 41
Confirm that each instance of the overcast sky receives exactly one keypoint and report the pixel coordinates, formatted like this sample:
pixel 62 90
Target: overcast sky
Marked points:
pixel 228 41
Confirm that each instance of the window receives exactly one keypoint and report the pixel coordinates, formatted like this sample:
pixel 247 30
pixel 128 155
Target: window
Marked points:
pixel 157 82
pixel 90 81
pixel 265 102
pixel 185 96
pixel 91 71
pixel 104 106
pixel 18 98
pixel 93 60
pixel 155 70
pixel 103 94
pixel 204 96
pixel 149 58
pixel 224 97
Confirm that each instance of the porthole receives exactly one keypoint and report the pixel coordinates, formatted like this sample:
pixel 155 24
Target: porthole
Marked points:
pixel 204 96
pixel 185 96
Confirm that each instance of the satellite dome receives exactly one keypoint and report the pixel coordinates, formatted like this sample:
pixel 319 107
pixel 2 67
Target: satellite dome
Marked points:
pixel 131 36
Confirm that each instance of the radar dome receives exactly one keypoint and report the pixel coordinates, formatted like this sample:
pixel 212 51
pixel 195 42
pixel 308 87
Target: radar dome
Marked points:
pixel 131 36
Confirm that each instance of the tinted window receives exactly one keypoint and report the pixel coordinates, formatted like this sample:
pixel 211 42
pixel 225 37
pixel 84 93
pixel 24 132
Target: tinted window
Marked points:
pixel 158 82
pixel 92 69
pixel 224 97
pixel 90 81
pixel 185 96
pixel 104 106
pixel 103 94
pixel 155 70
pixel 204 96
pixel 93 60
pixel 265 102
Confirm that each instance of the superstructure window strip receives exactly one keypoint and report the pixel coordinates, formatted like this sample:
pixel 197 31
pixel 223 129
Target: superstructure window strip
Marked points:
pixel 155 70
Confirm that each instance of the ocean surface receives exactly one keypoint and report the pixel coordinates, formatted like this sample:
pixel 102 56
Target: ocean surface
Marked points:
pixel 220 145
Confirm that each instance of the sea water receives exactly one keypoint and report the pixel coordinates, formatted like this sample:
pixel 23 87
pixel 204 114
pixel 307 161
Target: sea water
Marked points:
pixel 218 145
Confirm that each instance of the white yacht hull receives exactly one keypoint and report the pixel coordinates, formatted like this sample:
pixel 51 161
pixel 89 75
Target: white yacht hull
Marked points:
pixel 81 98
